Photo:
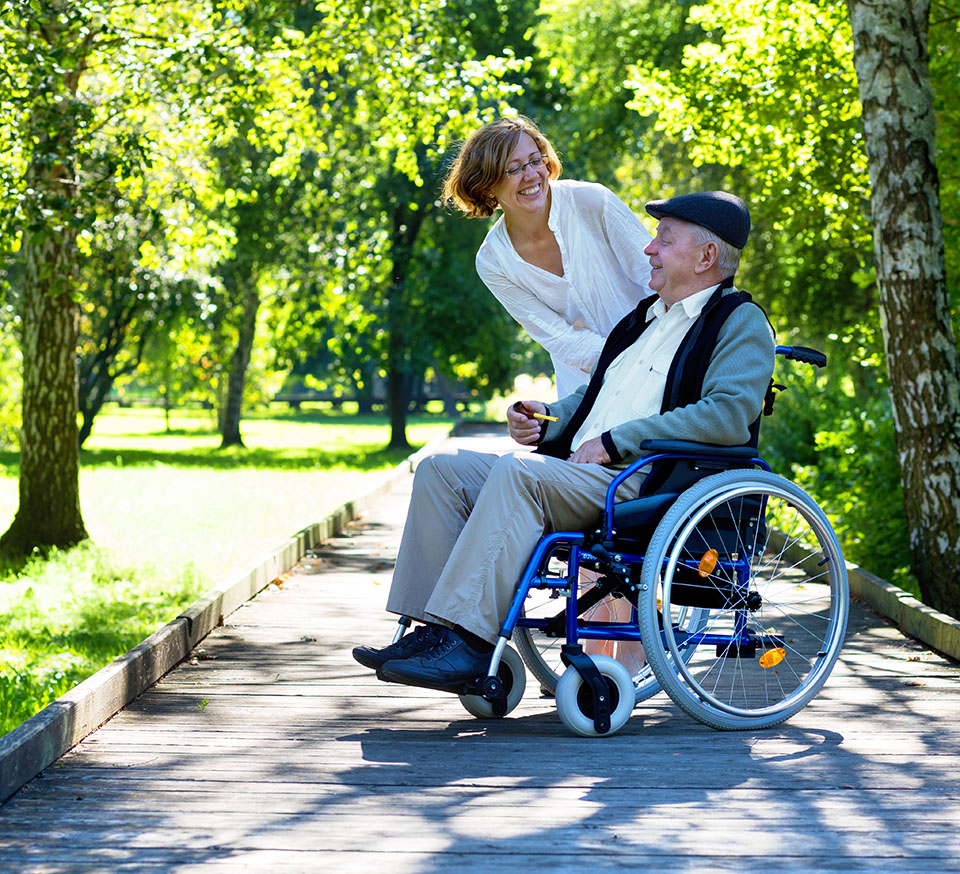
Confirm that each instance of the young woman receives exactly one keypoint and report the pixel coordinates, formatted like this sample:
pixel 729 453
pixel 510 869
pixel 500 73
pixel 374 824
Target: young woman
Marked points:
pixel 565 258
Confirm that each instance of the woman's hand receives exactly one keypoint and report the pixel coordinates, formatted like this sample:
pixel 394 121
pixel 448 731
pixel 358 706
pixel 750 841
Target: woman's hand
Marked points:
pixel 521 424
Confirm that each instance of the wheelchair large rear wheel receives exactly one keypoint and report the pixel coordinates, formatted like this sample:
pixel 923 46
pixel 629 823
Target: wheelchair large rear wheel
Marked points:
pixel 760 557
pixel 541 652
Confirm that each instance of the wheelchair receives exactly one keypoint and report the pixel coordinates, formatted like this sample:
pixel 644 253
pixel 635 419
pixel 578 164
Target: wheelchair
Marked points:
pixel 728 576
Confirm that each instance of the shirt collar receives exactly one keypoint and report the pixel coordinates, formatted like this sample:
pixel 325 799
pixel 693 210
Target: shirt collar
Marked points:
pixel 692 305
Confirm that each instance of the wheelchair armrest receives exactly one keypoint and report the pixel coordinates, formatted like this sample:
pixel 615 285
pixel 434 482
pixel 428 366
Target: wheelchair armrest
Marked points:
pixel 688 447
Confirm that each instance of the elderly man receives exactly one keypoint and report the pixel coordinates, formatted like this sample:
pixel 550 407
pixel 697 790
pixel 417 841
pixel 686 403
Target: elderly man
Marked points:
pixel 691 362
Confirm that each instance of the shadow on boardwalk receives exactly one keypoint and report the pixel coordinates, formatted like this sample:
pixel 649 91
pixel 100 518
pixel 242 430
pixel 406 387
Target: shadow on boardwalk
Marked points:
pixel 272 749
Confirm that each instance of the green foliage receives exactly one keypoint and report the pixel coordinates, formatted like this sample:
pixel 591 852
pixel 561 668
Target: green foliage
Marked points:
pixel 833 435
pixel 461 328
pixel 159 80
pixel 300 146
pixel 129 293
pixel 767 101
pixel 770 95
pixel 944 42
pixel 588 49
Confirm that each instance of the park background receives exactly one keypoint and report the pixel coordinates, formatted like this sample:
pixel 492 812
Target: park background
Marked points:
pixel 210 206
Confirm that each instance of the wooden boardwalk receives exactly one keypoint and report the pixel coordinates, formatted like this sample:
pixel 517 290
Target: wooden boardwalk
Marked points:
pixel 272 750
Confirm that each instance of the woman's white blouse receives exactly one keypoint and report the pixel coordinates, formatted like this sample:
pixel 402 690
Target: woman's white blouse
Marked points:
pixel 605 275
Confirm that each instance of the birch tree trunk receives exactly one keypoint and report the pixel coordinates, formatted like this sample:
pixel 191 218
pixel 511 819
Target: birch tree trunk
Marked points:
pixel 892 64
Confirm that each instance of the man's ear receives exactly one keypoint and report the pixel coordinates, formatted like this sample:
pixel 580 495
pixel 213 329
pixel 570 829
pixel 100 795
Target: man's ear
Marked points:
pixel 709 255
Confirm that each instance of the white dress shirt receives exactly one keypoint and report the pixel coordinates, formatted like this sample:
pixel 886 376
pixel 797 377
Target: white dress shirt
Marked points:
pixel 605 275
pixel 634 383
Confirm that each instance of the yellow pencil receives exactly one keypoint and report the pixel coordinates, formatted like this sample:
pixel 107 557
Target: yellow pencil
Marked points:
pixel 548 418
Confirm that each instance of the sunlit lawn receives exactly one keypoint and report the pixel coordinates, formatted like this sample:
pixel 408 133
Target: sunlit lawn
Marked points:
pixel 170 515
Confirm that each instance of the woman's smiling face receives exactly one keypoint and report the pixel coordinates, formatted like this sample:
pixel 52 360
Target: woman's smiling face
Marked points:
pixel 528 191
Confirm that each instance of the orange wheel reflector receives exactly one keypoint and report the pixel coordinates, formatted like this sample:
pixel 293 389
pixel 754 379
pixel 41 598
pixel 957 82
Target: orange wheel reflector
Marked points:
pixel 773 657
pixel 708 563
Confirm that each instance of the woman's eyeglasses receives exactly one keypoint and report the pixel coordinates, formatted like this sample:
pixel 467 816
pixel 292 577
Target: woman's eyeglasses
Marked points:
pixel 513 172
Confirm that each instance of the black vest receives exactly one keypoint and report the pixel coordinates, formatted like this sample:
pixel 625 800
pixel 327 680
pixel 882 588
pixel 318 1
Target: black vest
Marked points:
pixel 687 370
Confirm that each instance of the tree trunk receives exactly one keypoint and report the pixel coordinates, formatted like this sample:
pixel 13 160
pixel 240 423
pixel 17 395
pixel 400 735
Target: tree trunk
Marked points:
pixel 96 396
pixel 397 398
pixel 237 380
pixel 892 63
pixel 365 393
pixel 110 334
pixel 96 383
pixel 447 394
pixel 407 219
pixel 49 510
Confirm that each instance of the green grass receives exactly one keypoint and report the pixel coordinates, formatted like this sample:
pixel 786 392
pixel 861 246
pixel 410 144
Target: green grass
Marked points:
pixel 169 515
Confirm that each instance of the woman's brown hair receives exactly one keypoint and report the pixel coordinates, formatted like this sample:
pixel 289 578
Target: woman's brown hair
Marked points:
pixel 483 160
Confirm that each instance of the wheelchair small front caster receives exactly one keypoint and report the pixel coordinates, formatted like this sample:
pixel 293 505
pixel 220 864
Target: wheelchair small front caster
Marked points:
pixel 511 676
pixel 575 697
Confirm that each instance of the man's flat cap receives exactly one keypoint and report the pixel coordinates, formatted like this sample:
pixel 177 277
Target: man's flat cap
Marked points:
pixel 727 216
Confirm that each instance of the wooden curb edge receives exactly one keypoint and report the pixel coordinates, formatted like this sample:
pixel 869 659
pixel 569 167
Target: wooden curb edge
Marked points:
pixel 41 740
pixel 938 630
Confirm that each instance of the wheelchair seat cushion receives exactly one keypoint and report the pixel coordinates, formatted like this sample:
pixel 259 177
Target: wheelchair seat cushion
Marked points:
pixel 641 512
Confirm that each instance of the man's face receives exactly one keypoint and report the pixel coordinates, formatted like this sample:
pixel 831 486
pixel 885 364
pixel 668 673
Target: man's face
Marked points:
pixel 674 257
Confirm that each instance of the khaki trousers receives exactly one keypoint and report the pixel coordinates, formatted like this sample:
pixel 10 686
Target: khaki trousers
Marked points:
pixel 473 522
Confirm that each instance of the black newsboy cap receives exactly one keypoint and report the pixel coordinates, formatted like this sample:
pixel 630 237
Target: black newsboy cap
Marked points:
pixel 724 214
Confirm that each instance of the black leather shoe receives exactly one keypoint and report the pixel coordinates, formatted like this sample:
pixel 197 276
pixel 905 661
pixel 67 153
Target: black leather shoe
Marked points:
pixel 448 666
pixel 422 637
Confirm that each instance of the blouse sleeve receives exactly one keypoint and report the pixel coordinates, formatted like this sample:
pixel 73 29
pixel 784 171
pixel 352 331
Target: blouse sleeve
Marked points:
pixel 577 346
pixel 628 237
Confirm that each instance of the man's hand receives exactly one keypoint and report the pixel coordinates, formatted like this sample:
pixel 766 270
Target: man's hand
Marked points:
pixel 521 424
pixel 591 452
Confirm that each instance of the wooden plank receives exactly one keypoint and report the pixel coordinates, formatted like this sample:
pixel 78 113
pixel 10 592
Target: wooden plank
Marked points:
pixel 225 861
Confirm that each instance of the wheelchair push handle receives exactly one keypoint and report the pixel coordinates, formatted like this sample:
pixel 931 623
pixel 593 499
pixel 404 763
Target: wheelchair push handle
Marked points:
pixel 804 354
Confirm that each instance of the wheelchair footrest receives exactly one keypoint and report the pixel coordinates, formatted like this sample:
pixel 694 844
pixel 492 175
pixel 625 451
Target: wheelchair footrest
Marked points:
pixel 575 657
